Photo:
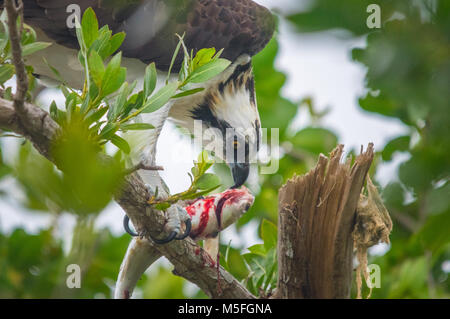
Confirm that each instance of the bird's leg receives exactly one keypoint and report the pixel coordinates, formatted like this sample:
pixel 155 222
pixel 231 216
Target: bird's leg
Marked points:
pixel 176 215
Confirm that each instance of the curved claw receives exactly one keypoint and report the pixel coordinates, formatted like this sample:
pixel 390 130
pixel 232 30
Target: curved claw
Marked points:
pixel 188 224
pixel 172 235
pixel 169 238
pixel 126 226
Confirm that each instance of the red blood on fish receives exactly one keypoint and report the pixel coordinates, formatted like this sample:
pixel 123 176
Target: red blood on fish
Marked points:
pixel 190 210
pixel 219 207
pixel 204 217
pixel 205 224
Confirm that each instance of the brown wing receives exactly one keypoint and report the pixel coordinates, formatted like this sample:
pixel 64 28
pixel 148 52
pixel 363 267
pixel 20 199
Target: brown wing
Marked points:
pixel 237 26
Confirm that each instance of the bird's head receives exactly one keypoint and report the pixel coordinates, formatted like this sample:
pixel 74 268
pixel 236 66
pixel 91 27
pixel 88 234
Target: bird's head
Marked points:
pixel 229 117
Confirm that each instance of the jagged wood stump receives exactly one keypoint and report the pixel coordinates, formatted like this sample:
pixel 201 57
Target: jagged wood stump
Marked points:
pixel 315 223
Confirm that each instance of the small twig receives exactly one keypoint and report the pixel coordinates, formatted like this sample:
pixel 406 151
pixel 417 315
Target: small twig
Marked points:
pixel 144 167
pixel 16 11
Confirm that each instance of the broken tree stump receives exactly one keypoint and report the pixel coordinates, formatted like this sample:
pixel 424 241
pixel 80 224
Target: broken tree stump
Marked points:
pixel 315 223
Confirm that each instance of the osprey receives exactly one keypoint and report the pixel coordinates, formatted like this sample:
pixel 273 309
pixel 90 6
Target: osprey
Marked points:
pixel 241 27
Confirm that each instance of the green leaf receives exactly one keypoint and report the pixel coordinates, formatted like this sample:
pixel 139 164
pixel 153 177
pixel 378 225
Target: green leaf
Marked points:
pixel 102 43
pixel 89 26
pixel 188 92
pixel 269 234
pixel 136 127
pixel 399 144
pixel 117 83
pixel 149 80
pixel 207 181
pixel 315 140
pixel 417 172
pixel 259 283
pixel 96 68
pixel 121 144
pixel 34 47
pixel 203 56
pixel 54 70
pixel 208 71
pixel 258 249
pixel 195 171
pixel 439 200
pixel 54 111
pixel 270 275
pixel 120 102
pixel 108 130
pixel 174 56
pixel 160 98
pixel 394 195
pixel 162 206
pixel 434 234
pixel 203 157
pixel 80 38
pixel 114 64
pixel 201 193
pixel 96 115
pixel 115 42
pixel 134 102
pixel 6 72
pixel 114 75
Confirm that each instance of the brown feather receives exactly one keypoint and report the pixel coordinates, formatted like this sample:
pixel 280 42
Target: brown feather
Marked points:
pixel 238 26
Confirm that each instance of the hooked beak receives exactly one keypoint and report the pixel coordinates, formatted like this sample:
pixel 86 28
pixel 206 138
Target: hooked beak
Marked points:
pixel 240 173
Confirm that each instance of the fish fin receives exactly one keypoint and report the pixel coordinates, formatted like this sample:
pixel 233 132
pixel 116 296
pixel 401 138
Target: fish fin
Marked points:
pixel 211 245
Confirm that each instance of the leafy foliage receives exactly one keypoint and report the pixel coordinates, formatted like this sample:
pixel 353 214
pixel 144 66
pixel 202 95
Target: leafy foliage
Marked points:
pixel 84 179
pixel 29 46
pixel 408 72
pixel 106 91
pixel 202 183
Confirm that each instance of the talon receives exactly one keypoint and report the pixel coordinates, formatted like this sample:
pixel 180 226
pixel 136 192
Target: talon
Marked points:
pixel 169 238
pixel 188 224
pixel 126 225
pixel 172 235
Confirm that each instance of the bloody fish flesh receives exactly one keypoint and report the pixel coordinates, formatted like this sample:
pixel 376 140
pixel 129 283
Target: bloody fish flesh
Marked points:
pixel 216 212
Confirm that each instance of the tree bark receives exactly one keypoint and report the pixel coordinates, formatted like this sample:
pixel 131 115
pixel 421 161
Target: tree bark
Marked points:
pixel 315 223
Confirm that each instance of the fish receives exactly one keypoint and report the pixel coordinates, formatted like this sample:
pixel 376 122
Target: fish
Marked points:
pixel 209 216
pixel 214 213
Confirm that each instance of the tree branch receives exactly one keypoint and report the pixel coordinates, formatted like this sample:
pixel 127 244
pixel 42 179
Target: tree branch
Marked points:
pixel 16 11
pixel 142 166
pixel 41 129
